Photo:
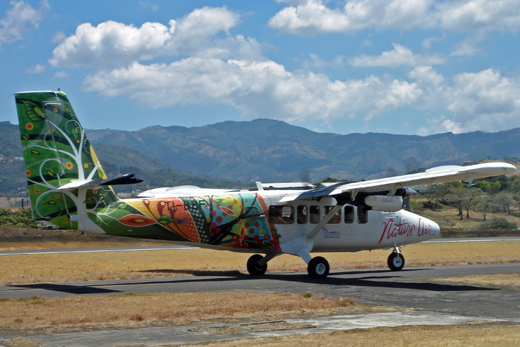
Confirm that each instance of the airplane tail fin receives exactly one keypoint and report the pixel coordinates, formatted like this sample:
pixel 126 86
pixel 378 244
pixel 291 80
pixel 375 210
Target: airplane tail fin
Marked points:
pixel 59 159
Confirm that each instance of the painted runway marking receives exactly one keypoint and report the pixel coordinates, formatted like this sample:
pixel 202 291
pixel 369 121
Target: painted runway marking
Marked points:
pixel 166 248
pixel 95 250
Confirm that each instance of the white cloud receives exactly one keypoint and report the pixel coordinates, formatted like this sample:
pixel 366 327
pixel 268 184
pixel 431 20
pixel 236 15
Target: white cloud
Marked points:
pixel 468 47
pixel 19 17
pixel 59 37
pixel 61 74
pixel 146 4
pixel 314 63
pixel 112 44
pixel 471 15
pixel 314 17
pixel 485 101
pixel 36 69
pixel 471 101
pixel 427 43
pixel 257 89
pixel 400 56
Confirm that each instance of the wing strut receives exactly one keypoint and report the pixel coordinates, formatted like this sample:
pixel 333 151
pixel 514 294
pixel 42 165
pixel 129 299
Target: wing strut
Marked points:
pixel 324 221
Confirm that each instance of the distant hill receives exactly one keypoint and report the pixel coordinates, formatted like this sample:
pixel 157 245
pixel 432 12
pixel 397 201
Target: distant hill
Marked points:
pixel 115 159
pixel 272 150
pixel 268 150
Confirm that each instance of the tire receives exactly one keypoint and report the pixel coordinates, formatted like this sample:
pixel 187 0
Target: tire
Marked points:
pixel 253 268
pixel 395 261
pixel 318 268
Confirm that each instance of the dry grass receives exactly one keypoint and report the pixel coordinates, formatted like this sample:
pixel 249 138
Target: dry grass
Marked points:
pixel 509 281
pixel 13 238
pixel 23 269
pixel 448 217
pixel 131 310
pixel 475 336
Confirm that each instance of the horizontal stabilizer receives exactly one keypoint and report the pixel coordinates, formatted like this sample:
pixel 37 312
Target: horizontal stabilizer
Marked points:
pixel 124 179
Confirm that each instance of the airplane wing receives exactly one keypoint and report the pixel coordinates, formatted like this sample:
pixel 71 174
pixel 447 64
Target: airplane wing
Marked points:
pixel 390 185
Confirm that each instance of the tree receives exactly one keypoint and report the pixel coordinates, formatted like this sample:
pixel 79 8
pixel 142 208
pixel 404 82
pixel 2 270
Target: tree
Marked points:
pixel 22 218
pixel 456 197
pixel 503 202
pixel 434 193
pixel 489 187
pixel 470 198
pixel 484 205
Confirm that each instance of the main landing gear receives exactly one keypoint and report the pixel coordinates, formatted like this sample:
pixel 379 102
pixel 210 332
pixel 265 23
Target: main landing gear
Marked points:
pixel 253 266
pixel 317 268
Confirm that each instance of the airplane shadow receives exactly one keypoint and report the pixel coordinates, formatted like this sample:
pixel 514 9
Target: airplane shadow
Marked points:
pixel 196 272
pixel 391 281
pixel 66 288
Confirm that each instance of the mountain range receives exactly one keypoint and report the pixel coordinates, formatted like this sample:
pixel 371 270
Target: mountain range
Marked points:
pixel 271 150
pixel 231 152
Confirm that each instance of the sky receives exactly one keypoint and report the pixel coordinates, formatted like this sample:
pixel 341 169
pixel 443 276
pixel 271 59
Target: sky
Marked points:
pixel 415 67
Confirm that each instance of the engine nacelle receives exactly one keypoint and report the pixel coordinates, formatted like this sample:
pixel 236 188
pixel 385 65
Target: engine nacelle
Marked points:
pixel 385 203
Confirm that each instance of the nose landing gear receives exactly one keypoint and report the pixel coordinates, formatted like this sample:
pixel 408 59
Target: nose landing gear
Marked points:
pixel 396 261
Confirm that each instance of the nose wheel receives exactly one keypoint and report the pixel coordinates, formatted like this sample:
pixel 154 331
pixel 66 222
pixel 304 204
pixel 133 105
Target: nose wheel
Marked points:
pixel 395 261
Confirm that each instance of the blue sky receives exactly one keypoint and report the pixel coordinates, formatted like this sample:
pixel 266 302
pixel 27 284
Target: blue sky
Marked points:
pixel 396 66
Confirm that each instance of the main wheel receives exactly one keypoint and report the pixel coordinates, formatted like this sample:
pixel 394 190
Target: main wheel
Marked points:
pixel 253 268
pixel 318 268
pixel 395 261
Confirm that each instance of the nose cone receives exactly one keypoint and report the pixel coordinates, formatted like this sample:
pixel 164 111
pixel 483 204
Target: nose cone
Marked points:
pixel 436 230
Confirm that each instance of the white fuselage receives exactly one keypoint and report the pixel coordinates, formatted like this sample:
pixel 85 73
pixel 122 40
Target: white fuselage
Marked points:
pixel 352 229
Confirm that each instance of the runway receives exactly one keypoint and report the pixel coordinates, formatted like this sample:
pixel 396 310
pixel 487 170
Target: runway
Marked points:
pixel 415 292
pixel 409 288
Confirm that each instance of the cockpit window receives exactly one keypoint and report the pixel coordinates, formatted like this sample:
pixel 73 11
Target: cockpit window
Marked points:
pixel 349 214
pixel 362 214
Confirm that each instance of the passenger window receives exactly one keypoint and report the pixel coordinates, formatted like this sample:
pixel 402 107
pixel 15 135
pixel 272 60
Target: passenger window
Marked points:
pixel 281 214
pixel 302 214
pixel 336 218
pixel 362 214
pixel 349 214
pixel 314 214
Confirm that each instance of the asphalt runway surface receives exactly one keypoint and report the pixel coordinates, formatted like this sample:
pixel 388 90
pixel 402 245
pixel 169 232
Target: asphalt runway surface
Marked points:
pixel 410 288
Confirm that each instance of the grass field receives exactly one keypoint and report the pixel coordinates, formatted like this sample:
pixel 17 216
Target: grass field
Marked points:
pixel 22 269
pixel 474 336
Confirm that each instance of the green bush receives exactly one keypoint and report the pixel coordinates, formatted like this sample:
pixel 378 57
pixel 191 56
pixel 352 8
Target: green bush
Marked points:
pixel 22 218
pixel 497 223
pixel 432 205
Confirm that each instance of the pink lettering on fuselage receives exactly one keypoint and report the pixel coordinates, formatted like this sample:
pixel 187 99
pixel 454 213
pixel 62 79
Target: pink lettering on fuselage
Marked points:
pixel 424 229
pixel 393 229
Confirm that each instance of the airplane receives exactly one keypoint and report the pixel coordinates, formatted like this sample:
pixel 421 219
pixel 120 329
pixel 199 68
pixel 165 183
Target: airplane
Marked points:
pixel 68 187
